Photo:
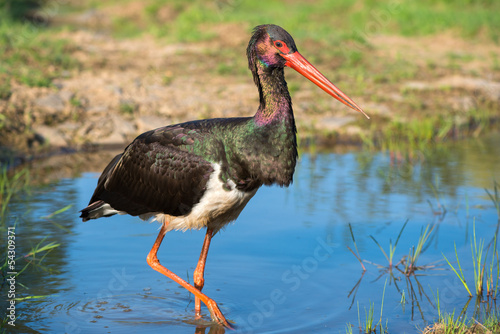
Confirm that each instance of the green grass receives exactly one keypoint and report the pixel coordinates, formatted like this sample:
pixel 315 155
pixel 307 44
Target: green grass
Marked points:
pixel 487 322
pixel 449 324
pixel 485 307
pixel 369 325
pixel 492 275
pixel 408 263
pixel 458 272
pixel 37 254
pixel 34 57
pixel 322 20
pixel 486 274
pixel 11 183
pixel 30 55
pixel 14 184
pixel 392 248
pixel 127 107
pixel 478 263
pixel 34 257
pixel 415 252
pixel 421 130
pixel 30 253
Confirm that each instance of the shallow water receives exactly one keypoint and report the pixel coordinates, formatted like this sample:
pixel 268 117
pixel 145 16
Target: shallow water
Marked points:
pixel 282 267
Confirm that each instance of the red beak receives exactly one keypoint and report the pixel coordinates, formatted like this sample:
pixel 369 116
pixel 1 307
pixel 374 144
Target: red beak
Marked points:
pixel 301 65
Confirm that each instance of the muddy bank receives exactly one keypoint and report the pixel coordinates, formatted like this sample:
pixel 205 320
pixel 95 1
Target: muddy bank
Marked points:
pixel 122 88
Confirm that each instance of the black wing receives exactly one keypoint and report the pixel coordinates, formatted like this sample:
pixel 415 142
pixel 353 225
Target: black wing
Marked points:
pixel 155 173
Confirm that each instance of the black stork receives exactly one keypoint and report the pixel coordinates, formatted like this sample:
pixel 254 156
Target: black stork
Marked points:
pixel 202 173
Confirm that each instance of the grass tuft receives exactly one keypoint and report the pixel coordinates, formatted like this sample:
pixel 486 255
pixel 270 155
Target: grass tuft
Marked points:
pixel 459 273
pixel 10 184
pixel 369 326
pixel 415 252
pixel 392 248
pixel 486 278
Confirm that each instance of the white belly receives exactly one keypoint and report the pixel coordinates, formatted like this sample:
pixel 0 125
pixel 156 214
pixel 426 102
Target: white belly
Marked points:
pixel 216 208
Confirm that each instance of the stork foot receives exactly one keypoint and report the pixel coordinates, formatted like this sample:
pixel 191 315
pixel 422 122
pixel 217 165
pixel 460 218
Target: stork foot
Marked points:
pixel 216 314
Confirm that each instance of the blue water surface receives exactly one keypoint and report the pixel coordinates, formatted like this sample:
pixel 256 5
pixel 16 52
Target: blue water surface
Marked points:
pixel 284 266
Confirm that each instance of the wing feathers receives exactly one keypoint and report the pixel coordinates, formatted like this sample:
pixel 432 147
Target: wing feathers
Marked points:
pixel 154 174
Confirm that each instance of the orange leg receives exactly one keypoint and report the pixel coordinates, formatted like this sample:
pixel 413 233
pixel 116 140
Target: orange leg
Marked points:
pixel 198 278
pixel 153 261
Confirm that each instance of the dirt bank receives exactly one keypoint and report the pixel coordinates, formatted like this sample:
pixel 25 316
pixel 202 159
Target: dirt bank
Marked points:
pixel 123 87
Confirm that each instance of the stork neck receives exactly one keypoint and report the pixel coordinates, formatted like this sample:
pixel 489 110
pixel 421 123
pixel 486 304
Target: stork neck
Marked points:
pixel 275 101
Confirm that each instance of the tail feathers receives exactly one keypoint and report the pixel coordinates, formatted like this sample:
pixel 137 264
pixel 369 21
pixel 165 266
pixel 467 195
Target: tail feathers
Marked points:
pixel 97 210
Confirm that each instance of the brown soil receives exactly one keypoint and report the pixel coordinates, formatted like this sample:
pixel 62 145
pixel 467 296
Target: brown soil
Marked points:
pixel 126 86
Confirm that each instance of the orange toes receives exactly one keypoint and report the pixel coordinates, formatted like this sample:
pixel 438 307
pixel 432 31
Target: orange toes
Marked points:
pixel 216 314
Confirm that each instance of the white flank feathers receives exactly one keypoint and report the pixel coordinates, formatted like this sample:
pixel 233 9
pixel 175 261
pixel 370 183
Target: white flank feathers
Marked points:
pixel 216 208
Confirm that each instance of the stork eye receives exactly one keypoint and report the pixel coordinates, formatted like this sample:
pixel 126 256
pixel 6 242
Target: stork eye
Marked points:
pixel 281 46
